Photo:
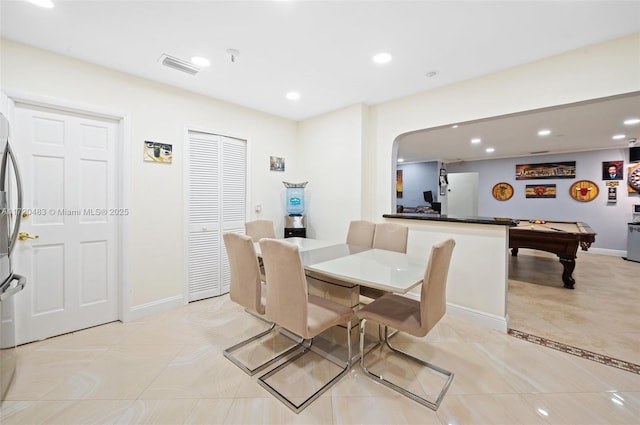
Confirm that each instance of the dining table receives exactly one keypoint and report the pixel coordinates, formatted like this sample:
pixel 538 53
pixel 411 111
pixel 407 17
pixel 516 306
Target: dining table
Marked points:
pixel 353 265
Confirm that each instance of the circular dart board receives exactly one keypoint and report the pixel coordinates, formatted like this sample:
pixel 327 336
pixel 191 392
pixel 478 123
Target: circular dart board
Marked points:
pixel 502 191
pixel 584 190
pixel 634 178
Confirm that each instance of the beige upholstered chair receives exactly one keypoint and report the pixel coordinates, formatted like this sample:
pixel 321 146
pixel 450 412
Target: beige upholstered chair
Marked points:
pixel 290 306
pixel 259 229
pixel 391 236
pixel 361 233
pixel 245 288
pixel 413 317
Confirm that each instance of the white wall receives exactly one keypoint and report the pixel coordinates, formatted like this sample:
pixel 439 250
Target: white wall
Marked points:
pixel 595 71
pixel 160 113
pixel 330 157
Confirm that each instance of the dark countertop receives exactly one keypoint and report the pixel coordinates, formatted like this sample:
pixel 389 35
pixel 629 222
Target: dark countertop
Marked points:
pixel 501 221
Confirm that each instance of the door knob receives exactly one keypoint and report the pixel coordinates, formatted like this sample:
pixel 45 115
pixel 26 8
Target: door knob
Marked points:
pixel 23 236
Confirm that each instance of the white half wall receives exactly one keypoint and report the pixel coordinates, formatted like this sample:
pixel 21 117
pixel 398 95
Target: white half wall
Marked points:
pixel 478 274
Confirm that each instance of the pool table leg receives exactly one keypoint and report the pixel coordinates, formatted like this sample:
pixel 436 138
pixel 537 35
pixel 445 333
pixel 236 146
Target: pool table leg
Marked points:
pixel 569 265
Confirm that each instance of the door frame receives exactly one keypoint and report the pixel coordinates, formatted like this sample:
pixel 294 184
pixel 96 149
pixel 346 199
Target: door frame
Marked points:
pixel 8 100
pixel 247 194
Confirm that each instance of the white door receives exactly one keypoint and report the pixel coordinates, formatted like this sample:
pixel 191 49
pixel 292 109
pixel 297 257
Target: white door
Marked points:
pixel 215 174
pixel 462 194
pixel 67 162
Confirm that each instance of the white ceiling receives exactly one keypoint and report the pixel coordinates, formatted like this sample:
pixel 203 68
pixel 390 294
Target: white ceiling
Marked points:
pixel 322 49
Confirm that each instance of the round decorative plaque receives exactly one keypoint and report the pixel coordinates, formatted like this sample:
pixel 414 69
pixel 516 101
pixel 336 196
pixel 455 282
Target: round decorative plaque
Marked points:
pixel 502 191
pixel 584 190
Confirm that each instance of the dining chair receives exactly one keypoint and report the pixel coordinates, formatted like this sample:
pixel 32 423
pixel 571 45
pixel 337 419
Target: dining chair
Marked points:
pixel 290 305
pixel 246 289
pixel 361 233
pixel 391 236
pixel 258 229
pixel 414 317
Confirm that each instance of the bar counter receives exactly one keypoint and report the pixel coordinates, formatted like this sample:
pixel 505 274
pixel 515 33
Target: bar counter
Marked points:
pixel 501 221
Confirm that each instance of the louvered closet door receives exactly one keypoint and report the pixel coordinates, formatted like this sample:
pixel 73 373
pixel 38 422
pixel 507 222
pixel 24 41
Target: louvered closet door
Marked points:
pixel 216 203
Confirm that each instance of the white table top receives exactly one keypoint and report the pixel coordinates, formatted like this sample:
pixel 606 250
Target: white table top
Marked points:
pixel 304 244
pixel 375 268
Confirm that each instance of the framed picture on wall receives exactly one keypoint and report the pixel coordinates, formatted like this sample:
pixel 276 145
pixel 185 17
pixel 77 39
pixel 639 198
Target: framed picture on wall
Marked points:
pixel 276 163
pixel 158 152
pixel 612 170
pixel 540 191
pixel 547 170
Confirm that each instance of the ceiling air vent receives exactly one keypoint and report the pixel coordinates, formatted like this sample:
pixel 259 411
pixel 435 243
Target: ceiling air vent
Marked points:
pixel 178 64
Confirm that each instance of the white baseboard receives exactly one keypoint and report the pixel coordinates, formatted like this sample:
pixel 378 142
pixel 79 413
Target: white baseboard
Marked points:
pixel 604 251
pixel 479 318
pixel 474 316
pixel 155 307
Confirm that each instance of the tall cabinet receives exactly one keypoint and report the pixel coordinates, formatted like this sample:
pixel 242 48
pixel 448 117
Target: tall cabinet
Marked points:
pixel 215 188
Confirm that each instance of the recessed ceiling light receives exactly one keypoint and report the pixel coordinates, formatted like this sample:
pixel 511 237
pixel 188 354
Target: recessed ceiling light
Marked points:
pixel 544 132
pixel 400 160
pixel 42 3
pixel 431 74
pixel 200 61
pixel 476 140
pixel 489 150
pixel 619 136
pixel 455 126
pixel 631 121
pixel 293 95
pixel 382 58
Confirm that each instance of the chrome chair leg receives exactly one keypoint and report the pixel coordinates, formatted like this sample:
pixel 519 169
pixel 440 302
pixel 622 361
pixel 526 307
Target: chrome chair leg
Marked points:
pixel 430 404
pixel 297 408
pixel 258 316
pixel 228 353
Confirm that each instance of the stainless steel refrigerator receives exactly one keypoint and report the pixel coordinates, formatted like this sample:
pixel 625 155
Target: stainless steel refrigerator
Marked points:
pixel 10 283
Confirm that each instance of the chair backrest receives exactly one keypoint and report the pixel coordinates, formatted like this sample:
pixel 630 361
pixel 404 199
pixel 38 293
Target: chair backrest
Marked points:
pixel 287 294
pixel 361 233
pixel 433 295
pixel 391 236
pixel 259 229
pixel 245 287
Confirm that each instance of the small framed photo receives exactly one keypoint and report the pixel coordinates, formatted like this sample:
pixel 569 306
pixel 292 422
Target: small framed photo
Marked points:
pixel 158 152
pixel 612 170
pixel 276 163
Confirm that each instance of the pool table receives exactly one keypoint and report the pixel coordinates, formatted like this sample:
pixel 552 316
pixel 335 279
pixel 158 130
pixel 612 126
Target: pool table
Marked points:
pixel 557 237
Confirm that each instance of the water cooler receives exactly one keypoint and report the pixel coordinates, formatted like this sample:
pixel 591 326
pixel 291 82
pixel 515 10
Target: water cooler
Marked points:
pixel 294 222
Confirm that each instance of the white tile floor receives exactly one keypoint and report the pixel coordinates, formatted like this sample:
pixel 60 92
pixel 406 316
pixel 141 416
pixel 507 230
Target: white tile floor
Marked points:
pixel 169 369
